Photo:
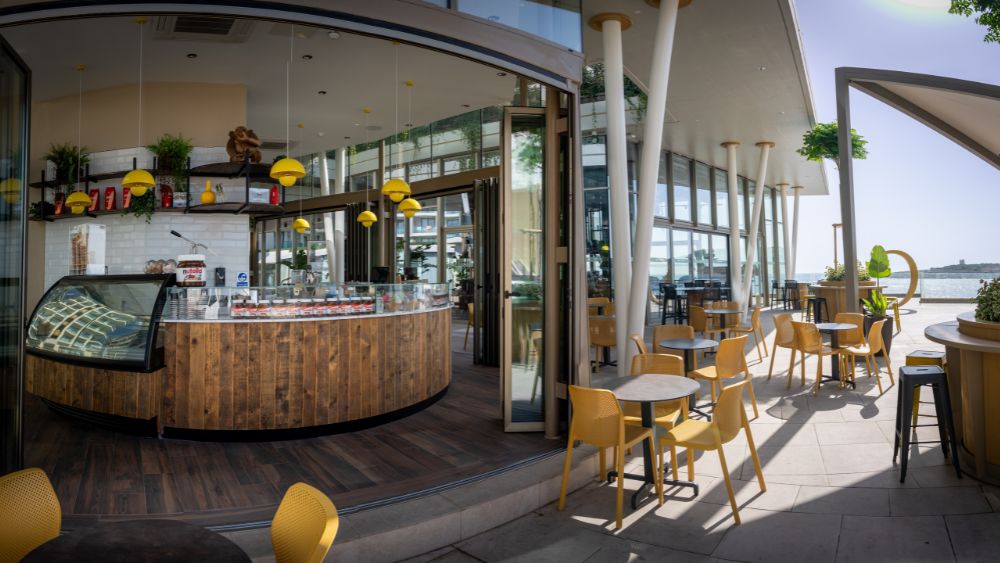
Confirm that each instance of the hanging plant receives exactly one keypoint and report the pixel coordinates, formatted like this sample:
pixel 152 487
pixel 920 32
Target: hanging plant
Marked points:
pixel 142 206
pixel 172 154
pixel 821 142
pixel 69 161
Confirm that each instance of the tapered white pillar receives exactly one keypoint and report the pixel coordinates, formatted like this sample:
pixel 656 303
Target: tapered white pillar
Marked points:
pixel 754 227
pixel 339 187
pixel 611 25
pixel 795 228
pixel 785 228
pixel 328 229
pixel 735 250
pixel 652 140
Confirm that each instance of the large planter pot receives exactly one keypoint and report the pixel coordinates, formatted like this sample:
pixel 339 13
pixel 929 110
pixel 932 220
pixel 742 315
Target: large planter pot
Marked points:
pixel 841 283
pixel 969 325
pixel 886 329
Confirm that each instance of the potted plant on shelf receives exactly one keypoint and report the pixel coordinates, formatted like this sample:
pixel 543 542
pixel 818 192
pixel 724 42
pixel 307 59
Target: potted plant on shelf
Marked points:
pixel 172 152
pixel 984 322
pixel 70 162
pixel 835 276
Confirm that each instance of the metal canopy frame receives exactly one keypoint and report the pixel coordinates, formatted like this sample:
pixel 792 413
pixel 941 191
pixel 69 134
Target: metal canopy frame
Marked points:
pixel 868 81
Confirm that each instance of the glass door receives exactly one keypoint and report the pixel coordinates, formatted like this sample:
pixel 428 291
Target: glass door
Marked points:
pixel 523 265
pixel 14 83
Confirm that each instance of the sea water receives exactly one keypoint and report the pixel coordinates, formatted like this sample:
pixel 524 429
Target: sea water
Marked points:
pixel 930 285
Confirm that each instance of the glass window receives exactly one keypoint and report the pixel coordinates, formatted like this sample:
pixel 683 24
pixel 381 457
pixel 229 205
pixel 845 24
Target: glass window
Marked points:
pixel 662 202
pixel 682 188
pixel 741 199
pixel 720 258
pixel 722 198
pixel 703 187
pixel 700 256
pixel 595 167
pixel 682 256
pixel 555 20
pixel 597 224
pixel 659 257
pixel 768 203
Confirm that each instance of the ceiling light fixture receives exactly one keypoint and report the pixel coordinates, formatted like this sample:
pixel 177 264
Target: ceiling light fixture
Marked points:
pixel 409 206
pixel 192 55
pixel 762 68
pixel 333 35
pixel 307 57
pixel 322 92
pixel 366 217
pixel 396 188
pixel 287 170
pixel 501 73
pixel 139 181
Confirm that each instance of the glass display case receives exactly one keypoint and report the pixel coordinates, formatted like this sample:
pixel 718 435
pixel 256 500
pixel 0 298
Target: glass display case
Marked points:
pixel 107 322
pixel 302 302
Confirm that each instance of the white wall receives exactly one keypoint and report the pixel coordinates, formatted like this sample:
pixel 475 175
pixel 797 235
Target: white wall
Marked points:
pixel 131 242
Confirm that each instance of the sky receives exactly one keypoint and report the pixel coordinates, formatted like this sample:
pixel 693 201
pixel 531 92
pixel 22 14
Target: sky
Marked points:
pixel 917 191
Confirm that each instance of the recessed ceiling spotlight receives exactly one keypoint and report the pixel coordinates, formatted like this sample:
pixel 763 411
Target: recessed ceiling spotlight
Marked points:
pixel 501 73
pixel 466 106
pixel 322 92
pixel 333 35
pixel 319 133
pixel 347 136
pixel 307 57
pixel 192 55
pixel 407 125
pixel 762 68
pixel 300 35
pixel 357 125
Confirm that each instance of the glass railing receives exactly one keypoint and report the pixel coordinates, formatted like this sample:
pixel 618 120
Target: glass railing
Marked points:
pixel 301 302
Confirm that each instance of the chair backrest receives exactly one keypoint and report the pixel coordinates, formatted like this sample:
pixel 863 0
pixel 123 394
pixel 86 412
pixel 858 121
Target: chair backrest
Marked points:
pixel 664 364
pixel 597 416
pixel 596 304
pixel 855 335
pixel 711 294
pixel 669 292
pixel 875 342
pixel 731 360
pixel 304 526
pixel 670 332
pixel 602 332
pixel 653 298
pixel 696 315
pixel 640 344
pixel 784 332
pixel 472 313
pixel 807 337
pixel 755 317
pixel 29 513
pixel 728 415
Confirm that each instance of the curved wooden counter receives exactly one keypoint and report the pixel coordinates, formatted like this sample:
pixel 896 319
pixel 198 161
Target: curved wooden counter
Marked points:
pixel 974 384
pixel 836 296
pixel 263 375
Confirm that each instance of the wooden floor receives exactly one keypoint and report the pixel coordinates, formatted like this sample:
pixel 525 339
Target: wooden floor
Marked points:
pixel 103 474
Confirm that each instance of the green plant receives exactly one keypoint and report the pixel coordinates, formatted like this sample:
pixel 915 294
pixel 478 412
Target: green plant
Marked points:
pixel 878 264
pixel 142 206
pixel 299 262
pixel 988 301
pixel 39 209
pixel 876 304
pixel 69 160
pixel 822 142
pixel 837 272
pixel 987 14
pixel 173 152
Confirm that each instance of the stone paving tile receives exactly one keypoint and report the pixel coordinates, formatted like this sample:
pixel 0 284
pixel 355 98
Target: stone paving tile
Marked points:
pixel 444 555
pixel 975 537
pixel 695 527
pixel 939 476
pixel 780 433
pixel 537 538
pixel 888 479
pixel 941 500
pixel 787 460
pixel 854 432
pixel 910 540
pixel 617 550
pixel 773 537
pixel 778 497
pixel 857 458
pixel 842 500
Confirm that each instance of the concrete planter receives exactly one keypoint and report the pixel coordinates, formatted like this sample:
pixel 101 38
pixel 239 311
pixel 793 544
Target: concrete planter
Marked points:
pixel 970 326
pixel 841 283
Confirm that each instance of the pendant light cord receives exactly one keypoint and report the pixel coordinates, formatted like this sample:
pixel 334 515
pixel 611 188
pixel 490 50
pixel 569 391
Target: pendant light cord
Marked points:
pixel 141 21
pixel 288 96
pixel 79 124
pixel 399 144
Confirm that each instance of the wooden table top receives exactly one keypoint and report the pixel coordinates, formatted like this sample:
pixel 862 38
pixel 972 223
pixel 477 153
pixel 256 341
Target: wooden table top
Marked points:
pixel 651 387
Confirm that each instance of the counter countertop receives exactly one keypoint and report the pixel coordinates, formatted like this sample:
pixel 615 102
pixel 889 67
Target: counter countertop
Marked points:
pixel 302 319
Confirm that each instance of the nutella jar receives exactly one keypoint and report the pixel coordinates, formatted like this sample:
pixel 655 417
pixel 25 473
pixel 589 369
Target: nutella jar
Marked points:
pixel 191 270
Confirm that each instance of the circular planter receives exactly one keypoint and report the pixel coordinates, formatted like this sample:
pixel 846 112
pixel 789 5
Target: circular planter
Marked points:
pixel 970 326
pixel 840 283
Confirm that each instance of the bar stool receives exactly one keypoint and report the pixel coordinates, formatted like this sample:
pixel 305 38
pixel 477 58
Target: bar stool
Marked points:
pixel 910 378
pixel 810 309
pixel 924 358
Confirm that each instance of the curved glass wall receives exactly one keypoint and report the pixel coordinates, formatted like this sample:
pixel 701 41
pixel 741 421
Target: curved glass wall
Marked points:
pixel 558 21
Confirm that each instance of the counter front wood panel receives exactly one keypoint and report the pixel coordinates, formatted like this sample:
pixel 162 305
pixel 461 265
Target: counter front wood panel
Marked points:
pixel 282 375
pixel 120 393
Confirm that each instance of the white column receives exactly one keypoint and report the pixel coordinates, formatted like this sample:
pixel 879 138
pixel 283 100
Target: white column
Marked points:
pixel 663 45
pixel 795 229
pixel 328 230
pixel 735 252
pixel 339 187
pixel 621 244
pixel 783 190
pixel 754 228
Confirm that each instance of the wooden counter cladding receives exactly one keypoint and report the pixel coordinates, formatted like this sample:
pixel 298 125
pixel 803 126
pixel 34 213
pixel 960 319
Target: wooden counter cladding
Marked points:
pixel 265 376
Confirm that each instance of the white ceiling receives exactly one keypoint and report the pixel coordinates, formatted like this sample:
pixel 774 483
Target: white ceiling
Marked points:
pixel 356 71
pixel 717 91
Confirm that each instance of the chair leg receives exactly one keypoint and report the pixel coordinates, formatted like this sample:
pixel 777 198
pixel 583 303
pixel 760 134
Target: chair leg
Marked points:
pixel 878 376
pixel 673 463
pixel 770 370
pixel 803 366
pixel 690 456
pixel 819 373
pixel 659 473
pixel 753 396
pixel 916 404
pixel 729 484
pixel 620 468
pixel 753 456
pixel 565 475
pixel 888 366
pixel 602 462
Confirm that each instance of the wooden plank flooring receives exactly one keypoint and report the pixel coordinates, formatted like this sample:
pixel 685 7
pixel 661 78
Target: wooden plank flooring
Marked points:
pixel 102 474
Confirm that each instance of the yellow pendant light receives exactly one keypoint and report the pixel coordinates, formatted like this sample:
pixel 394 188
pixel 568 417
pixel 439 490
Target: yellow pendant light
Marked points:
pixel 409 207
pixel 396 188
pixel 367 219
pixel 300 225
pixel 287 170
pixel 77 202
pixel 139 181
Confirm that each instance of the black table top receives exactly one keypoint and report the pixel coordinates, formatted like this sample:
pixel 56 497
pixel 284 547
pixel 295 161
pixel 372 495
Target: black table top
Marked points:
pixel 835 326
pixel 648 388
pixel 688 343
pixel 721 311
pixel 140 541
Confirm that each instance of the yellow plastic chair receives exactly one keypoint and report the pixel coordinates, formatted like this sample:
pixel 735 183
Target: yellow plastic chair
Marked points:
pixel 855 336
pixel 640 344
pixel 29 513
pixel 602 335
pixel 894 303
pixel 469 324
pixel 728 418
pixel 809 341
pixel 598 420
pixel 595 304
pixel 755 329
pixel 672 332
pixel 729 362
pixel 665 413
pixel 919 358
pixel 304 526
pixel 875 345
pixel 701 323
pixel 784 337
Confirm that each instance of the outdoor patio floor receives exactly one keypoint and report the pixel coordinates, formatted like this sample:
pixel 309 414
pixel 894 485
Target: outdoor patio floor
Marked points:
pixel 833 493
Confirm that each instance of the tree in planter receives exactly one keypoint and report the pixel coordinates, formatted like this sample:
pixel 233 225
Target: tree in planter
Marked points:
pixel 821 142
pixel 878 265
pixel 987 14
pixel 172 152
pixel 988 301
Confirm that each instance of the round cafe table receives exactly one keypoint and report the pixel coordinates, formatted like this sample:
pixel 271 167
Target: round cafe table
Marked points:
pixel 140 541
pixel 689 346
pixel 834 329
pixel 647 389
pixel 722 313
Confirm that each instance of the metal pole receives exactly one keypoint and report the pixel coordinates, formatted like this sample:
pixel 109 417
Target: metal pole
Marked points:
pixel 783 190
pixel 846 166
pixel 652 139
pixel 735 280
pixel 758 204
pixel 795 229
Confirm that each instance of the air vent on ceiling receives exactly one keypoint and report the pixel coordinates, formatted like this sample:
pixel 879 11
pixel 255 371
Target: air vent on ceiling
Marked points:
pixel 203 28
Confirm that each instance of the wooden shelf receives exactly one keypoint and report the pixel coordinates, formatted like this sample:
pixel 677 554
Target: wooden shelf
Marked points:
pixel 258 172
pixel 238 207
pixel 98 213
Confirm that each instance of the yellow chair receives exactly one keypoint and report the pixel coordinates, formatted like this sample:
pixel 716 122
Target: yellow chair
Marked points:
pixel 875 345
pixel 468 325
pixel 701 323
pixel 924 358
pixel 809 341
pixel 729 362
pixel 602 335
pixel 640 344
pixel 596 304
pixel 304 526
pixel 784 337
pixel 29 513
pixel 805 301
pixel 672 332
pixel 665 413
pixel 894 303
pixel 728 418
pixel 753 328
pixel 598 420
pixel 855 336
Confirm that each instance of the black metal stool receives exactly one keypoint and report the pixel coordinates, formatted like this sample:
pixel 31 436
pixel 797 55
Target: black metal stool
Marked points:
pixel 812 308
pixel 910 378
